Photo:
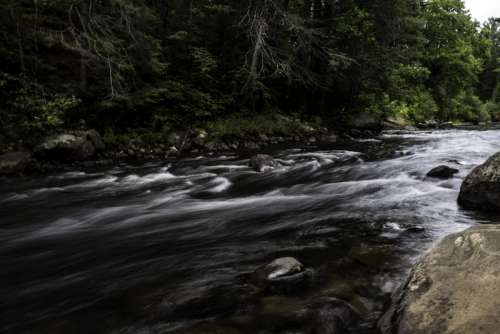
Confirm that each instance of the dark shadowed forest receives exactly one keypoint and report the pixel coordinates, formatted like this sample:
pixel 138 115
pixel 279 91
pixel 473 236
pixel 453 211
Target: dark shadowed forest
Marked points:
pixel 143 68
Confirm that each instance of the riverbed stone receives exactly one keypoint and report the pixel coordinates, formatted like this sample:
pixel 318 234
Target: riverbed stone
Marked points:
pixel 330 315
pixel 284 266
pixel 370 255
pixel 263 163
pixel 282 276
pixel 455 288
pixel 442 172
pixel 481 188
pixel 14 162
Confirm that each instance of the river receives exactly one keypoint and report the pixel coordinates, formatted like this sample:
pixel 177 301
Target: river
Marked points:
pixel 165 246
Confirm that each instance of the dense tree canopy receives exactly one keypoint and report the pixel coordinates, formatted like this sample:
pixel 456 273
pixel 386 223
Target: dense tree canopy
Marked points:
pixel 154 64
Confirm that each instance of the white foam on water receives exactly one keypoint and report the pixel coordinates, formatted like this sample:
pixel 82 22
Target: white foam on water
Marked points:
pixel 221 184
pixel 15 197
pixel 393 226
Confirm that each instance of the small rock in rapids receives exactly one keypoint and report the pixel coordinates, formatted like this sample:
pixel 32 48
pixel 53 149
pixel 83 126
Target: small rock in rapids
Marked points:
pixel 442 172
pixel 282 275
pixel 263 163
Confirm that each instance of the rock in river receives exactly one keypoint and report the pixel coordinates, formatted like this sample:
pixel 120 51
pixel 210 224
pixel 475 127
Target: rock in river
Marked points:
pixel 263 163
pixel 329 315
pixel 455 288
pixel 442 172
pixel 282 275
pixel 481 188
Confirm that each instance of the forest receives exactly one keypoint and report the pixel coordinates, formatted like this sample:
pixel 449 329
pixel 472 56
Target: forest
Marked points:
pixel 128 67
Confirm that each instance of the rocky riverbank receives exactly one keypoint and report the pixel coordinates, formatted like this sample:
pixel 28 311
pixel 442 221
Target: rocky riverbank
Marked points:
pixel 454 287
pixel 87 148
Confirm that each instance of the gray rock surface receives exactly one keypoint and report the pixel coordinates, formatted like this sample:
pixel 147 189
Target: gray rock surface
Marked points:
pixel 455 288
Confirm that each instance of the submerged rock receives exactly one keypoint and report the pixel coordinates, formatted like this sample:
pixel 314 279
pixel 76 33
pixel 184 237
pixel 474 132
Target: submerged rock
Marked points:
pixel 14 162
pixel 370 255
pixel 282 275
pixel 442 172
pixel 263 163
pixel 329 315
pixel 453 289
pixel 481 188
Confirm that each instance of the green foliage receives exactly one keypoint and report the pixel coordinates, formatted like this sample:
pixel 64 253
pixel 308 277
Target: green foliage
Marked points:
pixel 492 109
pixel 449 52
pixel 418 107
pixel 31 114
pixel 238 125
pixel 153 65
pixel 468 107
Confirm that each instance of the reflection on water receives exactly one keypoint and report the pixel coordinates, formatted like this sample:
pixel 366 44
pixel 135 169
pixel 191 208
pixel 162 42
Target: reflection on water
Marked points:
pixel 163 247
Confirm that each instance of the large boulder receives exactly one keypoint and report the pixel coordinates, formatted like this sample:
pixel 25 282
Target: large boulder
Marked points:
pixel 14 163
pixel 66 147
pixel 455 288
pixel 442 172
pixel 263 163
pixel 481 188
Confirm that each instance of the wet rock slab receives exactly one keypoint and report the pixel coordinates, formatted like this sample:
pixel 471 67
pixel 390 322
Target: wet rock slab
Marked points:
pixel 455 288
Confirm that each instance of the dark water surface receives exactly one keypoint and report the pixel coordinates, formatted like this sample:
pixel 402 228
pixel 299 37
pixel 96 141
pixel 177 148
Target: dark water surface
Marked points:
pixel 162 248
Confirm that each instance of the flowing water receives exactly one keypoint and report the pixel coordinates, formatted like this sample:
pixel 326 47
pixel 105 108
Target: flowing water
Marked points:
pixel 165 247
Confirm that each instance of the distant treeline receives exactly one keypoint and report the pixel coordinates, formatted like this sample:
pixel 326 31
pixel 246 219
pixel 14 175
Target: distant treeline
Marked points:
pixel 157 64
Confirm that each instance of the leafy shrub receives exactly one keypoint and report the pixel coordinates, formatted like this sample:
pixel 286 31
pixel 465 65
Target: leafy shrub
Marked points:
pixel 491 110
pixel 418 107
pixel 467 107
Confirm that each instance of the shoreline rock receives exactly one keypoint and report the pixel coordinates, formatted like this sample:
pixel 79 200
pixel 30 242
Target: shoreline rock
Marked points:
pixel 454 288
pixel 76 146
